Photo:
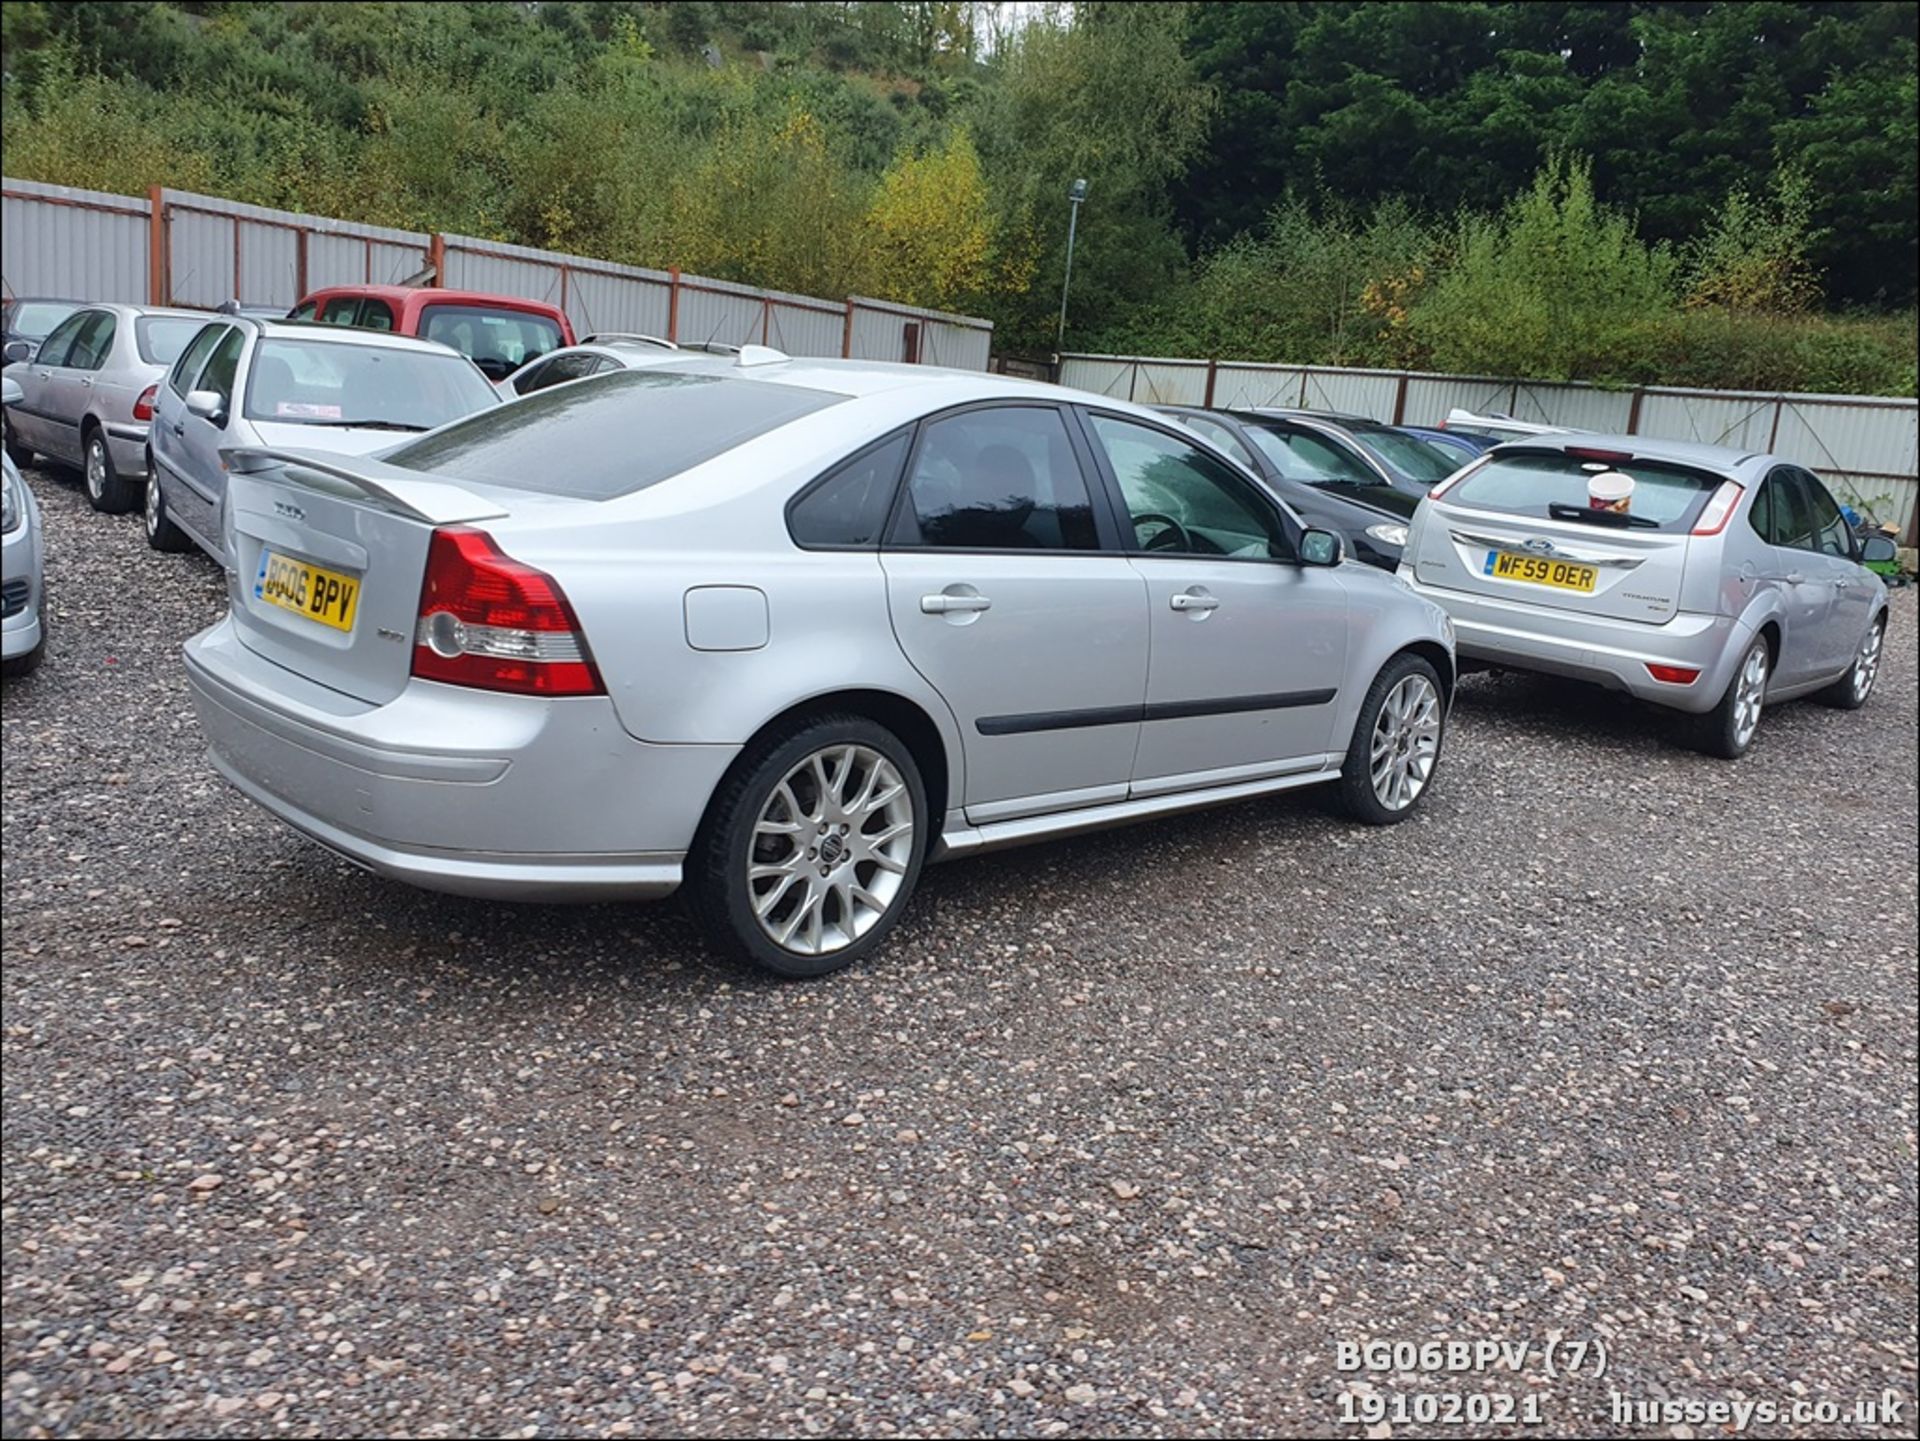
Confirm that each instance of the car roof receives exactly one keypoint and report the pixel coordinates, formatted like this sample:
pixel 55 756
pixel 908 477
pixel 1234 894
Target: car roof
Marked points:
pixel 436 294
pixel 336 334
pixel 1640 447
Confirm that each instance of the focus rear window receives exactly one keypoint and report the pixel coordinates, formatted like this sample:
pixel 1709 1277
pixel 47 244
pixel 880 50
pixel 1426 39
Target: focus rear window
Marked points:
pixel 609 435
pixel 1550 484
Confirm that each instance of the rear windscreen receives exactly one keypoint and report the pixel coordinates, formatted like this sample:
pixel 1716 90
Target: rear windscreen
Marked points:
pixel 161 338
pixel 1554 485
pixel 610 435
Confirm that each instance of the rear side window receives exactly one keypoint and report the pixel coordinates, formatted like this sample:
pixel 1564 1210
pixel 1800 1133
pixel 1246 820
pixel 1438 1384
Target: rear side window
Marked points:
pixel 375 314
pixel 1004 478
pixel 498 341
pixel 848 506
pixel 1554 485
pixel 193 357
pixel 623 433
pixel 161 338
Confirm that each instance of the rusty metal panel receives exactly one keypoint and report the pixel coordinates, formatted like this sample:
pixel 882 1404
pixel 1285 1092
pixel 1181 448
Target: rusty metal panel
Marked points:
pixel 1850 434
pixel 637 303
pixel 1742 422
pixel 1253 386
pixel 800 325
pixel 75 244
pixel 1369 393
pixel 1098 374
pixel 501 269
pixel 269 264
pixel 199 257
pixel 220 250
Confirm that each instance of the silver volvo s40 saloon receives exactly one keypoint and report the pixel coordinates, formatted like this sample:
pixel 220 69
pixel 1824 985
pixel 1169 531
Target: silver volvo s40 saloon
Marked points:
pixel 779 631
pixel 1697 577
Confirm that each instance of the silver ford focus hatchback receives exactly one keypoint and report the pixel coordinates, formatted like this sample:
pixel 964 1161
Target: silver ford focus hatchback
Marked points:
pixel 779 631
pixel 1696 577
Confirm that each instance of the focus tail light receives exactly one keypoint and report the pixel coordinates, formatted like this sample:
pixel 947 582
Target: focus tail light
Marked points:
pixel 1673 674
pixel 490 622
pixel 143 407
pixel 1719 510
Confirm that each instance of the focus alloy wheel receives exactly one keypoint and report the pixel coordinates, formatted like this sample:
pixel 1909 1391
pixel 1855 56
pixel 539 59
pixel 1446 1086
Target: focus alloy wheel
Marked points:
pixel 1750 695
pixel 1406 742
pixel 830 850
pixel 1867 664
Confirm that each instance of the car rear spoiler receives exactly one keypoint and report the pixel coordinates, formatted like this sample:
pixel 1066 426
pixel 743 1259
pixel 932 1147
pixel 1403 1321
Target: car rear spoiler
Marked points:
pixel 405 491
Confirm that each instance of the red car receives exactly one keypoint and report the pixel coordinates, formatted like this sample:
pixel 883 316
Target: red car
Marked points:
pixel 499 333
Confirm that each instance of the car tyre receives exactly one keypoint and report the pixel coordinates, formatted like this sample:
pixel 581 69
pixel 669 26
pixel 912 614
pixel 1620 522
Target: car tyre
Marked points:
pixel 1396 745
pixel 811 847
pixel 1854 688
pixel 21 455
pixel 1727 731
pixel 107 490
pixel 28 663
pixel 162 533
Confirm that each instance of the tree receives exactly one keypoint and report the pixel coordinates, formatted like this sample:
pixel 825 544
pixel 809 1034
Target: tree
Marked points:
pixel 930 231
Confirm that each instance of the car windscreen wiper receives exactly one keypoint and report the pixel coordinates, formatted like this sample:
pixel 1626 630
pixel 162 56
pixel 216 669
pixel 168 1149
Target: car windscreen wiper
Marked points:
pixel 1559 510
pixel 367 424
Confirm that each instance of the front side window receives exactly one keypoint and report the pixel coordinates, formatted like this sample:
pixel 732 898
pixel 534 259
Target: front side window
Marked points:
pixel 222 365
pixel 53 350
pixel 1004 478
pixel 1182 501
pixel 498 341
pixel 328 383
pixel 848 506
pixel 187 368
pixel 94 342
pixel 1831 534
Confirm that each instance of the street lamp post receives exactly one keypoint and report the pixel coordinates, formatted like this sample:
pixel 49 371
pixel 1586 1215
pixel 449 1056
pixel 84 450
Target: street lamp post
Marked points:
pixel 1075 194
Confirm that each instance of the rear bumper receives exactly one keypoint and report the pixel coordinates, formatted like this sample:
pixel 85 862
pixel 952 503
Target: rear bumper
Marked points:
pixel 1596 649
pixel 469 792
pixel 128 442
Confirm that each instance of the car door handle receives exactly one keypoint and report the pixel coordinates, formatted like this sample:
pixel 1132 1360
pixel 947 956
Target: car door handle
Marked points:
pixel 87 380
pixel 179 429
pixel 949 604
pixel 1793 577
pixel 1191 600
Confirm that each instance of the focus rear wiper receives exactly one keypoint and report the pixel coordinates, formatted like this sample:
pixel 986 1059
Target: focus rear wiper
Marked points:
pixel 1559 510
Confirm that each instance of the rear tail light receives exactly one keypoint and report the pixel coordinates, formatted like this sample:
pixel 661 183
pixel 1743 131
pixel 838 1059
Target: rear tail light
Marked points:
pixel 1719 510
pixel 1611 457
pixel 143 407
pixel 1673 674
pixel 490 622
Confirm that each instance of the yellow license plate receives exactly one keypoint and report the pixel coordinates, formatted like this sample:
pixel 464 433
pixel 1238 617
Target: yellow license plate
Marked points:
pixel 1538 570
pixel 323 595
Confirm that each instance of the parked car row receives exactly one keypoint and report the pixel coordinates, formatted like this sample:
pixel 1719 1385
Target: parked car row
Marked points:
pixel 776 632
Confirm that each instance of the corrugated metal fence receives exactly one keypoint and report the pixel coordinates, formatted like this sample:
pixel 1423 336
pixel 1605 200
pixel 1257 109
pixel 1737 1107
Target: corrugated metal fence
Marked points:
pixel 177 248
pixel 1866 446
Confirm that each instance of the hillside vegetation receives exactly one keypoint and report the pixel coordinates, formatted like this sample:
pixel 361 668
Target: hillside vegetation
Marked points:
pixel 1711 194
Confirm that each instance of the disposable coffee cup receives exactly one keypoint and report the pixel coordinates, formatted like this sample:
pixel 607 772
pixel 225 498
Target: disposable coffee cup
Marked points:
pixel 1610 491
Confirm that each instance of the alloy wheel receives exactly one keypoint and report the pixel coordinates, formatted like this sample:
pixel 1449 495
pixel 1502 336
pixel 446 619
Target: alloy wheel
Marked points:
pixel 154 503
pixel 1867 664
pixel 96 468
pixel 1406 742
pixel 830 850
pixel 1750 695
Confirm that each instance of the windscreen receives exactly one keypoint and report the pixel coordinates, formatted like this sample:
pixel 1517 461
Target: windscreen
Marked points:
pixel 611 434
pixel 1554 485
pixel 1409 455
pixel 161 338
pixel 331 383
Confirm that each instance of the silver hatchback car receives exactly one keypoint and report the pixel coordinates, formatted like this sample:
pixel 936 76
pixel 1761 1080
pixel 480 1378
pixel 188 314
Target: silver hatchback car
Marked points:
pixel 88 393
pixel 780 630
pixel 1705 579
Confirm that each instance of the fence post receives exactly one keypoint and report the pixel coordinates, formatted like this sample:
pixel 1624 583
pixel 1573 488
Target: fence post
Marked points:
pixel 1773 436
pixel 157 248
pixel 1133 379
pixel 846 333
pixel 300 265
pixel 437 258
pixel 673 303
pixel 766 316
pixel 1400 400
pixel 1633 410
pixel 1213 370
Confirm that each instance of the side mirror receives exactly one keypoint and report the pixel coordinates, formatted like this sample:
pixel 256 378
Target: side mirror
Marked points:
pixel 1878 550
pixel 208 405
pixel 10 392
pixel 1319 547
pixel 19 350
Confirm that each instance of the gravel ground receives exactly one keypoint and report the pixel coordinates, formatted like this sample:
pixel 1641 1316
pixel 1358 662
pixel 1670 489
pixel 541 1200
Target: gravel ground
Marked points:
pixel 1121 1136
